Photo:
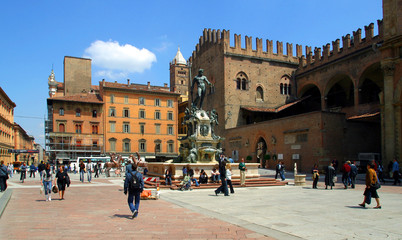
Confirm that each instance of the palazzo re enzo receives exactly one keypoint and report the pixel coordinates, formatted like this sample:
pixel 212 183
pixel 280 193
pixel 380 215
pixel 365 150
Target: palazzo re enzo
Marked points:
pixel 305 105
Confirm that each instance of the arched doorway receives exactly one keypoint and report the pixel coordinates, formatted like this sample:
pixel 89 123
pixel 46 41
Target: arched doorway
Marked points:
pixel 261 149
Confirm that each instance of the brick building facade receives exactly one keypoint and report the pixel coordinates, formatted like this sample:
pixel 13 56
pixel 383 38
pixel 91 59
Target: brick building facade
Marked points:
pixel 274 99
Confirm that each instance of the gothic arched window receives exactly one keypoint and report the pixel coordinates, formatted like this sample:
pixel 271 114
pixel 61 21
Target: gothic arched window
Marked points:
pixel 260 93
pixel 285 87
pixel 242 81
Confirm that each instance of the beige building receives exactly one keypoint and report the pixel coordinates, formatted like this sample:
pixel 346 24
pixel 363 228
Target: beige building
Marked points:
pixel 6 127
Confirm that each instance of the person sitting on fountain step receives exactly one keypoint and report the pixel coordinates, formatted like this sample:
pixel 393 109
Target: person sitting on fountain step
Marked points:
pixel 203 177
pixel 214 175
pixel 194 180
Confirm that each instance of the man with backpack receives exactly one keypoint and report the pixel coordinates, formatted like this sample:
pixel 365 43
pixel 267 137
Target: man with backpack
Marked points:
pixel 134 185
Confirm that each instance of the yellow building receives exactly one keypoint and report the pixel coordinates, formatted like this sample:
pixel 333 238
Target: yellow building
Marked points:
pixel 23 144
pixel 140 118
pixel 6 127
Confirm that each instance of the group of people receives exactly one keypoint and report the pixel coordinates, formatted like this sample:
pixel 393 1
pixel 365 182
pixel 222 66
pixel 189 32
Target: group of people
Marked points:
pixel 89 168
pixel 61 180
pixel 223 175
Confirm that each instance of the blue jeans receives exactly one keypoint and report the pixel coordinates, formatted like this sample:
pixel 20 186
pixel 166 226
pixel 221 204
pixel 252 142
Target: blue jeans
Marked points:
pixel 82 176
pixel 89 173
pixel 223 188
pixel 195 181
pixel 134 196
pixel 282 175
pixel 48 187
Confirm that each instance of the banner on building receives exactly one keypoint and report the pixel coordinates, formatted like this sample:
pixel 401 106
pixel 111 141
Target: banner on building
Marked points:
pixel 22 151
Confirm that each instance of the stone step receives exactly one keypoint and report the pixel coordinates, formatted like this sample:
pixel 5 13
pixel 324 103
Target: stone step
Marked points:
pixel 253 182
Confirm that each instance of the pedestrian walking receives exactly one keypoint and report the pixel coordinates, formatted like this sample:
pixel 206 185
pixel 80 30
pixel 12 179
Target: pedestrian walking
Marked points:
pixel 32 170
pixel 133 185
pixel 47 182
pixel 90 169
pixel 3 176
pixel 11 169
pixel 277 169
pixel 23 172
pixel 371 187
pixel 229 177
pixel 395 172
pixel 380 173
pixel 316 175
pixel 96 170
pixel 75 169
pixel 329 176
pixel 222 171
pixel 62 180
pixel 41 167
pixel 345 174
pixel 353 174
pixel 243 169
pixel 282 171
pixel 82 171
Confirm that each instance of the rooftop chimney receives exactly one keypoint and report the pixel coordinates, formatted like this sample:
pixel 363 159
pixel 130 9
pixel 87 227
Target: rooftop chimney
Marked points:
pixel 149 85
pixel 165 85
pixel 128 81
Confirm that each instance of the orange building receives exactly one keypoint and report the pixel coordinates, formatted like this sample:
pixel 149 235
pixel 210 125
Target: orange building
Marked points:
pixel 6 127
pixel 140 118
pixel 87 120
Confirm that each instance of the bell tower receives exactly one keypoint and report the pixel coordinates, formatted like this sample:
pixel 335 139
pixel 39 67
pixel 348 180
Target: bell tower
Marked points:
pixel 52 84
pixel 179 75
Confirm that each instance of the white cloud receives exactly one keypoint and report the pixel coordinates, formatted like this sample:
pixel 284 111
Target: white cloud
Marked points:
pixel 118 60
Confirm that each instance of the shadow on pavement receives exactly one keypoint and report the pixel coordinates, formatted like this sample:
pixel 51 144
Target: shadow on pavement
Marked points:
pixel 359 207
pixel 122 216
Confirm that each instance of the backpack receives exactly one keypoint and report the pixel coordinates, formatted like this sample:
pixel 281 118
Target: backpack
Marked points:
pixel 135 182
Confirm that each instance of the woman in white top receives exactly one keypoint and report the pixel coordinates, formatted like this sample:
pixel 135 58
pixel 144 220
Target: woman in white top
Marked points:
pixel 229 177
pixel 47 182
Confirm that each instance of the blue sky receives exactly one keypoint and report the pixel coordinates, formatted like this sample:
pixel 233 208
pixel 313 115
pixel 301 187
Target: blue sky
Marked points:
pixel 137 39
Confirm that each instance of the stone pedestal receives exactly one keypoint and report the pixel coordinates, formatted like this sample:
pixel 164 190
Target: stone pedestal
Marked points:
pixel 300 180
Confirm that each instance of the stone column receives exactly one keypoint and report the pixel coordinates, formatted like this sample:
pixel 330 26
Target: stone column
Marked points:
pixel 356 98
pixel 388 124
pixel 323 103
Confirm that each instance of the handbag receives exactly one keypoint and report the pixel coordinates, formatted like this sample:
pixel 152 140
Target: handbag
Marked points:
pixel 376 185
pixel 55 189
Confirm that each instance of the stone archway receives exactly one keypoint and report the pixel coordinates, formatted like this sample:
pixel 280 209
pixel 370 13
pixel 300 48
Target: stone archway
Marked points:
pixel 312 96
pixel 261 150
pixel 340 93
